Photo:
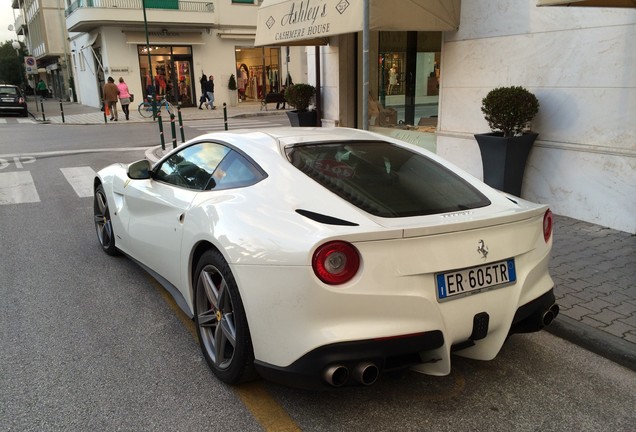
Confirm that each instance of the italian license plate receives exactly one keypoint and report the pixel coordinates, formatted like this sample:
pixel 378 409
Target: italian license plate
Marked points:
pixel 473 279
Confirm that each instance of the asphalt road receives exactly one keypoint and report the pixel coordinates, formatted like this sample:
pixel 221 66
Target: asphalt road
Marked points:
pixel 91 342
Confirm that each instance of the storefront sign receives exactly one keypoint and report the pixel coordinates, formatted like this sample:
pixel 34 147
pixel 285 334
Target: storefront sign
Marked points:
pixel 280 23
pixel 305 22
pixel 117 69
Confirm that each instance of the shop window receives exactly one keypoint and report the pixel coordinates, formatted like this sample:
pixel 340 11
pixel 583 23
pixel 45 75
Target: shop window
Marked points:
pixel 408 74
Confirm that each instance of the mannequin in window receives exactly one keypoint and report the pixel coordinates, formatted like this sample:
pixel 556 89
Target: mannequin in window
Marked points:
pixel 392 79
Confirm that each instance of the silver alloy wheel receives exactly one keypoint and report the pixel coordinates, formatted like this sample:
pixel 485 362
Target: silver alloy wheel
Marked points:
pixel 216 317
pixel 103 223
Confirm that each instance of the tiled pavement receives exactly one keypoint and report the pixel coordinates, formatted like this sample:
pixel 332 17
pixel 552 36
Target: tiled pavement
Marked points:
pixel 593 267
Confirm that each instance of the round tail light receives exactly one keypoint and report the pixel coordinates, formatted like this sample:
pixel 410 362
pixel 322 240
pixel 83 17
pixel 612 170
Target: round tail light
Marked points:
pixel 336 262
pixel 547 225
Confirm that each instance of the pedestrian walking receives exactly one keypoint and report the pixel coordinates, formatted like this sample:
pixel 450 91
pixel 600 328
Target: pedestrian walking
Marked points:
pixel 209 89
pixel 111 92
pixel 204 97
pixel 124 97
pixel 43 91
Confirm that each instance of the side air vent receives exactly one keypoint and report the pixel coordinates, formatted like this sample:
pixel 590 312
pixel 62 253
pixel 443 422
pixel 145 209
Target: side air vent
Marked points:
pixel 328 220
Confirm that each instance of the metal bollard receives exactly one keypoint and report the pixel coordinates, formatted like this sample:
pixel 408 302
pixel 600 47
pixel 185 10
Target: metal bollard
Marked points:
pixel 180 122
pixel 43 115
pixel 225 115
pixel 161 137
pixel 62 110
pixel 174 131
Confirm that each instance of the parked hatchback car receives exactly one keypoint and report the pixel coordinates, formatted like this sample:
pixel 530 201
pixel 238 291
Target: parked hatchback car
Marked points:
pixel 323 257
pixel 12 100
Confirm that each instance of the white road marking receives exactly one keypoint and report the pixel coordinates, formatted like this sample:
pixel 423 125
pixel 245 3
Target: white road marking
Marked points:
pixel 81 179
pixel 17 187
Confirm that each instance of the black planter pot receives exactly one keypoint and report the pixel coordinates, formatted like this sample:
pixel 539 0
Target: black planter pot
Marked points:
pixel 304 118
pixel 504 159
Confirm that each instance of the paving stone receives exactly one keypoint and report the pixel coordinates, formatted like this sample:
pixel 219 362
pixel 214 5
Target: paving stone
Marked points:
pixel 577 312
pixel 624 308
pixel 607 316
pixel 616 298
pixel 587 295
pixel 629 320
pixel 597 305
pixel 607 288
pixel 569 301
pixel 618 328
pixel 593 323
pixel 630 337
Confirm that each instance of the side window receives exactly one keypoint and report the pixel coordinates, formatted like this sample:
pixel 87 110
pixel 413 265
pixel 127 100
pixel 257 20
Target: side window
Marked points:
pixel 235 171
pixel 193 166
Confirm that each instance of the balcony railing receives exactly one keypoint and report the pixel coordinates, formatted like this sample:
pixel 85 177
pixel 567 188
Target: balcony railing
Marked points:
pixel 188 6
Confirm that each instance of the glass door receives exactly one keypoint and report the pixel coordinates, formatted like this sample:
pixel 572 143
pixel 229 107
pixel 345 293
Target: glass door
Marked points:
pixel 182 75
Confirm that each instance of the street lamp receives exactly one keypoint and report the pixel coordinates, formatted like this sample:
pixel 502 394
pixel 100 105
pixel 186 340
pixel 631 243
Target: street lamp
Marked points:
pixel 16 46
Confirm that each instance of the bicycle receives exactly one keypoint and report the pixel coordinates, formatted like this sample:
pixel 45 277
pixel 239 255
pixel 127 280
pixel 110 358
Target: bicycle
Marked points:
pixel 145 108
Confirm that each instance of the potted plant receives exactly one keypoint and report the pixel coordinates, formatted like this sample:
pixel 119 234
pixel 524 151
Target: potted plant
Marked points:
pixel 231 85
pixel 504 151
pixel 300 96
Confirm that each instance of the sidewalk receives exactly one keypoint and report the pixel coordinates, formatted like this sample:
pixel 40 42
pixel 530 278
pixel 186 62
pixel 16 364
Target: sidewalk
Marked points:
pixel 593 267
pixel 77 114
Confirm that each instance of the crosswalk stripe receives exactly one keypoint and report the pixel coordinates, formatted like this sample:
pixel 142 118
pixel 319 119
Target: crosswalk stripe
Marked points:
pixel 17 187
pixel 25 120
pixel 3 120
pixel 81 179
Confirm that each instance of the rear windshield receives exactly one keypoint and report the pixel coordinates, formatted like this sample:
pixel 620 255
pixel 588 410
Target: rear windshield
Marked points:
pixel 384 179
pixel 8 91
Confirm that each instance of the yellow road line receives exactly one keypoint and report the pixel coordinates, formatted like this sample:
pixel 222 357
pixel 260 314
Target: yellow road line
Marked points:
pixel 267 412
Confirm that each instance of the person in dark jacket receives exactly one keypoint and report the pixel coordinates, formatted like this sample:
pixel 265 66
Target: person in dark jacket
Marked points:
pixel 204 97
pixel 209 89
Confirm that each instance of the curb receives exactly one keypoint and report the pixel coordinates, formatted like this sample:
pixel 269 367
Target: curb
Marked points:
pixel 599 342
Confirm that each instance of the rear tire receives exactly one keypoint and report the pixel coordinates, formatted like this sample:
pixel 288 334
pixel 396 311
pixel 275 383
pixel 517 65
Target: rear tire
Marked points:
pixel 221 322
pixel 145 109
pixel 103 223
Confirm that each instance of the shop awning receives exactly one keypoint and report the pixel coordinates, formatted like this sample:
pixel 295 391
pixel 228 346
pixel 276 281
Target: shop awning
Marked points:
pixel 312 22
pixel 165 38
pixel 589 3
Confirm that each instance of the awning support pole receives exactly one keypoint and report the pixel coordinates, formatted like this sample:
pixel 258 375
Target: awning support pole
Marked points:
pixel 318 90
pixel 365 64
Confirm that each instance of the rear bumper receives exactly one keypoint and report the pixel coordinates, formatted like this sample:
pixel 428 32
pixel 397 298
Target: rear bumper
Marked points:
pixel 21 109
pixel 387 354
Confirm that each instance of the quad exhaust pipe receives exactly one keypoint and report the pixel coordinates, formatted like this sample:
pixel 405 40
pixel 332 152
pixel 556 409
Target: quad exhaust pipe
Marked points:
pixel 365 373
pixel 336 375
pixel 550 315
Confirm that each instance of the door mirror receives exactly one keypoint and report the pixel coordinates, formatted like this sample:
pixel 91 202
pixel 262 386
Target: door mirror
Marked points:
pixel 139 170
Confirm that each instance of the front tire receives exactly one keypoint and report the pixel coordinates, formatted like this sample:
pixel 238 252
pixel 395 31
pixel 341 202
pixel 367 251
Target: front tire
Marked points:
pixel 221 322
pixel 103 223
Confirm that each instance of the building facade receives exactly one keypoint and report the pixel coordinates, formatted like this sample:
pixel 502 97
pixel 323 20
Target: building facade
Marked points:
pixel 426 88
pixel 42 24
pixel 167 52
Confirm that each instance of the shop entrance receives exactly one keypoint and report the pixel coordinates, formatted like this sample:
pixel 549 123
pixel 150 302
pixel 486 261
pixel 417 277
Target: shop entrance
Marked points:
pixel 257 72
pixel 408 78
pixel 169 73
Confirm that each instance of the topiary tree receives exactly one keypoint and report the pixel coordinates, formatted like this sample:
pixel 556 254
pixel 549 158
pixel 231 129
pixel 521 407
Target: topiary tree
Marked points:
pixel 509 109
pixel 300 96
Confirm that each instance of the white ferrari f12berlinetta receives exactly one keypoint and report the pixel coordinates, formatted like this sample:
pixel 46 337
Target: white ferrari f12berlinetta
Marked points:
pixel 324 257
